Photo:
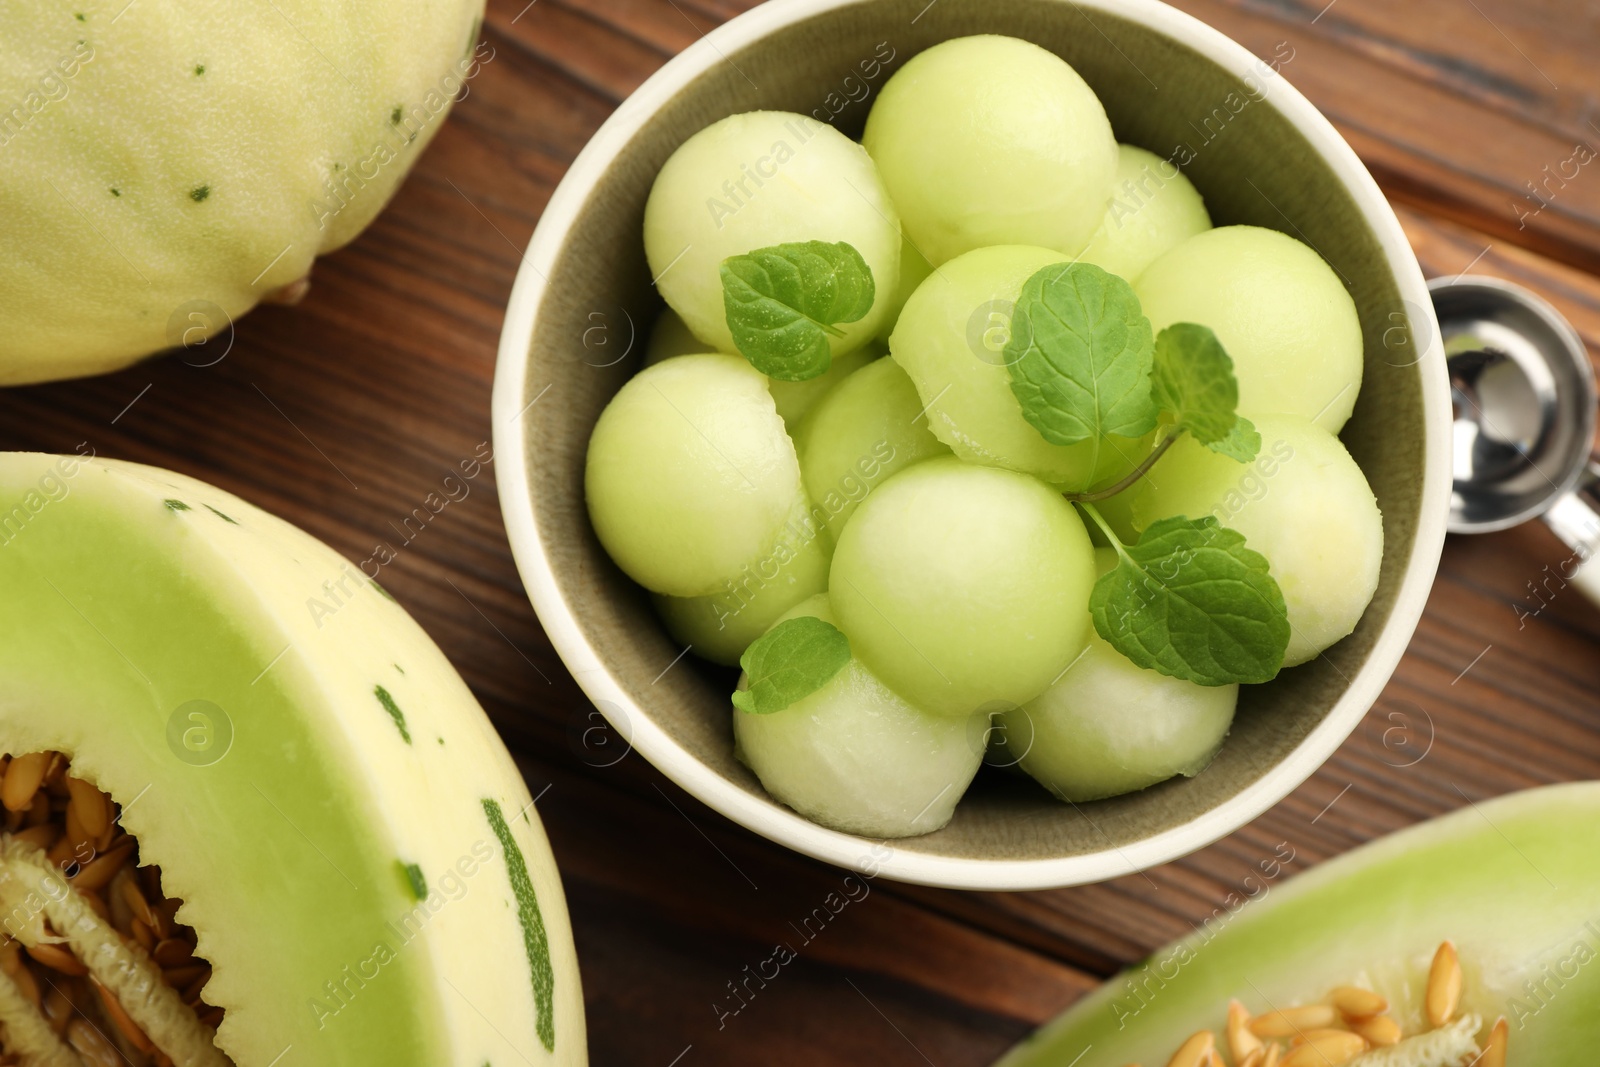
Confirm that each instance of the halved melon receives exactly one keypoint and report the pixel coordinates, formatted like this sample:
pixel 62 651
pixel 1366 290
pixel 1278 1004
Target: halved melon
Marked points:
pixel 295 761
pixel 1513 884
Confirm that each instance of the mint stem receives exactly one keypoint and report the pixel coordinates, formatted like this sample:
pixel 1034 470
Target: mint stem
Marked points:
pixel 1138 472
pixel 1111 535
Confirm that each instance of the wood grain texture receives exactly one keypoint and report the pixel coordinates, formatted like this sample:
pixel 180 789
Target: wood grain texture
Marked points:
pixel 343 413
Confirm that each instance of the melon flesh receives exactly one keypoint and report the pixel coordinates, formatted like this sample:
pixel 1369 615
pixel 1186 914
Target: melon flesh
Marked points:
pixel 337 749
pixel 1514 882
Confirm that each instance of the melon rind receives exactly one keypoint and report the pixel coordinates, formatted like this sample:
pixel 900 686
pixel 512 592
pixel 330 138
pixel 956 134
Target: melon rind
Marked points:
pixel 132 592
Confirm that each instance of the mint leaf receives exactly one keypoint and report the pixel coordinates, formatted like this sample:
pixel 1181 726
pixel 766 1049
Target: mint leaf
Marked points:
pixel 790 662
pixel 1243 442
pixel 1195 385
pixel 783 303
pixel 1192 601
pixel 1079 354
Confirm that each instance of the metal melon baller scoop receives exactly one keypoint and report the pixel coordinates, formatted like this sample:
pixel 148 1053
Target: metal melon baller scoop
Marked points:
pixel 1524 397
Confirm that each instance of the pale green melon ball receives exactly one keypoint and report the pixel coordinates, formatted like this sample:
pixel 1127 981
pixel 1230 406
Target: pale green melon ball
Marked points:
pixel 951 339
pixel 690 474
pixel 721 626
pixel 865 430
pixel 1153 209
pixel 914 268
pixel 759 179
pixel 990 140
pixel 856 757
pixel 670 337
pixel 1107 727
pixel 1302 503
pixel 962 585
pixel 796 399
pixel 1280 311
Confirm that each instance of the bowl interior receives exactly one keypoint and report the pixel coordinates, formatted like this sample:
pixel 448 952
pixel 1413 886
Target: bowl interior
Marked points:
pixel 1251 163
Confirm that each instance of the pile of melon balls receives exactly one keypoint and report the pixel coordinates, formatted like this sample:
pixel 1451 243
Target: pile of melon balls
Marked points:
pixel 901 496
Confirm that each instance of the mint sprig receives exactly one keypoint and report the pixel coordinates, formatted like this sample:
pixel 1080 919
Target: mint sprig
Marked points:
pixel 790 662
pixel 783 303
pixel 1192 377
pixel 1192 601
pixel 1080 355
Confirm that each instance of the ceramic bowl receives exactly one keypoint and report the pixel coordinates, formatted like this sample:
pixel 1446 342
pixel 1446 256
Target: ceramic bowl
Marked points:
pixel 1258 152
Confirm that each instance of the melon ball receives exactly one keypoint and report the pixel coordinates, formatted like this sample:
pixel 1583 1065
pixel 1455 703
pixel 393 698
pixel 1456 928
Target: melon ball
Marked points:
pixel 670 337
pixel 1280 311
pixel 865 430
pixel 1302 503
pixel 990 140
pixel 1107 727
pixel 1153 209
pixel 856 757
pixel 760 179
pixel 719 627
pixel 796 399
pixel 951 339
pixel 690 474
pixel 961 585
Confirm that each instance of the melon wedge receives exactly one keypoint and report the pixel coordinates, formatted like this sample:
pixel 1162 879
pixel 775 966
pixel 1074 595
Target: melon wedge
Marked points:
pixel 355 849
pixel 1513 882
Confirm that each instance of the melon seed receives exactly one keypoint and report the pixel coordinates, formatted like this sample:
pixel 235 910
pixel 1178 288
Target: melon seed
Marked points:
pixel 1356 1003
pixel 1380 1031
pixel 1291 1021
pixel 1194 1052
pixel 1444 985
pixel 24 776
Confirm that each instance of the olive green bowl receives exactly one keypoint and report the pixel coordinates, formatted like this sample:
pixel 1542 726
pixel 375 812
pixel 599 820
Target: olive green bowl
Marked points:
pixel 1258 152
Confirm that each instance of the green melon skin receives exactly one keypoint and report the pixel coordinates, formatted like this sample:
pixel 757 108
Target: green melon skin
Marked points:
pixel 199 157
pixel 1514 882
pixel 299 758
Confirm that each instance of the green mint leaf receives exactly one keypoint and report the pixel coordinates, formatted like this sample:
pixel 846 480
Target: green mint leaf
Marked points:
pixel 1243 442
pixel 1190 600
pixel 1079 354
pixel 1195 385
pixel 790 662
pixel 783 303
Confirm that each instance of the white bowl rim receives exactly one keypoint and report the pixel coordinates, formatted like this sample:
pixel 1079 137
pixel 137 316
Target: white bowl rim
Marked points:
pixel 766 816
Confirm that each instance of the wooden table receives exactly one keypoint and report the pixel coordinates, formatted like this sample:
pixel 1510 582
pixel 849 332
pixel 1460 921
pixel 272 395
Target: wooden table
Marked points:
pixel 381 383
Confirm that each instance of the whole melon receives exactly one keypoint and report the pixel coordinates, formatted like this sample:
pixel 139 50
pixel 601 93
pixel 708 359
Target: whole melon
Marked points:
pixel 165 165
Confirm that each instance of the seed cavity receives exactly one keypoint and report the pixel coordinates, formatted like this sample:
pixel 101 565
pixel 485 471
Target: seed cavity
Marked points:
pixel 1351 1028
pixel 95 971
pixel 394 711
pixel 1452 1044
pixel 534 938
